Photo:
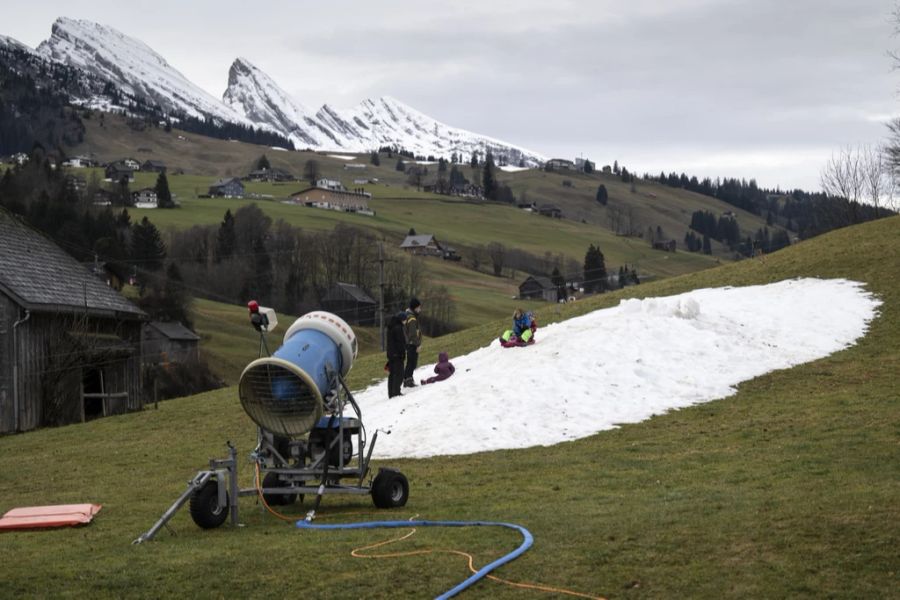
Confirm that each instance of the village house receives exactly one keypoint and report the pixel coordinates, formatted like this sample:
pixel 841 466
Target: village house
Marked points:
pixel 168 342
pixel 70 346
pixel 426 245
pixel 79 162
pixel 119 171
pixel 230 187
pixel 145 198
pixel 270 175
pixel 559 164
pixel 536 287
pixel 351 303
pixel 154 166
pixel 550 210
pixel 665 245
pixel 333 198
pixel 330 184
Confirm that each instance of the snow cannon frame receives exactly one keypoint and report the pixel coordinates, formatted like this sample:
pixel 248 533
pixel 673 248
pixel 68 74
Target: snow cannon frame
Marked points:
pixel 291 463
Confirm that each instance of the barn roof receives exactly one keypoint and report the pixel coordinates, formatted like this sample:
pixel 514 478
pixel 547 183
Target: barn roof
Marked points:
pixel 39 276
pixel 351 290
pixel 173 330
pixel 544 282
pixel 417 241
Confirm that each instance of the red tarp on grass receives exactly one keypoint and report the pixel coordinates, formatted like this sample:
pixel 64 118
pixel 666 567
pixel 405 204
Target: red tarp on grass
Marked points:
pixel 38 517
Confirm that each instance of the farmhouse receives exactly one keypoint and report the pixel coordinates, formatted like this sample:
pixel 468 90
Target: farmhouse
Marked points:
pixel 335 199
pixel 270 175
pixel 118 171
pixel 422 245
pixel 550 210
pixel 351 303
pixel 79 162
pixel 145 198
pixel 154 166
pixel 559 164
pixel 537 287
pixel 166 342
pixel 70 346
pixel 230 187
pixel 665 245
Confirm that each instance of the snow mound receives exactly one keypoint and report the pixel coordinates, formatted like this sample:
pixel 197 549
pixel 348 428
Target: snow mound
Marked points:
pixel 617 365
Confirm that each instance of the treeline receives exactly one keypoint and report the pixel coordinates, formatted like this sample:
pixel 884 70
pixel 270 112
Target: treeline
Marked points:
pixel 247 256
pixel 724 229
pixel 807 214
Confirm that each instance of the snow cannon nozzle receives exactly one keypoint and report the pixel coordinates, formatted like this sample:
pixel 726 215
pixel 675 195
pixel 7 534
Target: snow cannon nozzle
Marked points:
pixel 262 318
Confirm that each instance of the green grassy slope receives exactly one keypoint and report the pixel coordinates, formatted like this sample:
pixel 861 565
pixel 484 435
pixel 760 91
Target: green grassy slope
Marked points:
pixel 789 488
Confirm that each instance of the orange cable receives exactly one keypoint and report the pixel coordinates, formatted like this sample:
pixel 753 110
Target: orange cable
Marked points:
pixel 358 552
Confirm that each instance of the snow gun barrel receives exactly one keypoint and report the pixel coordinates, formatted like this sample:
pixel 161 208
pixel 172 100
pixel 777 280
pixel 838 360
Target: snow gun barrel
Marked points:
pixel 284 393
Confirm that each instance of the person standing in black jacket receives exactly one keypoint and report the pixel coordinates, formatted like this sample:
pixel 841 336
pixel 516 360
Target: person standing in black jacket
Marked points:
pixel 396 352
pixel 413 341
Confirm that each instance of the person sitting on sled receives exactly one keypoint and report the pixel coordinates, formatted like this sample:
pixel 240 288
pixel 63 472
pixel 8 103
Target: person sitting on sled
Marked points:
pixel 522 331
pixel 444 369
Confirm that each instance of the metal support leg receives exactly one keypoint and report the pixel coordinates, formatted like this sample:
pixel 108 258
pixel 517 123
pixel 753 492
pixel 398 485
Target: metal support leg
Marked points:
pixel 196 483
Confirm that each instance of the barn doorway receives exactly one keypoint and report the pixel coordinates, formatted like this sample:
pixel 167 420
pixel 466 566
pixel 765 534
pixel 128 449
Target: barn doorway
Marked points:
pixel 92 393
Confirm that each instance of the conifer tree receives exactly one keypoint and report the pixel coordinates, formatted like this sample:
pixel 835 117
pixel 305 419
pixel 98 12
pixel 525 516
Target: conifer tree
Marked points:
pixel 602 195
pixel 488 181
pixel 594 270
pixel 226 239
pixel 163 195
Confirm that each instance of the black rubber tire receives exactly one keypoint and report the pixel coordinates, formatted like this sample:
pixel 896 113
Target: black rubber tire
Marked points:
pixel 205 509
pixel 390 489
pixel 271 480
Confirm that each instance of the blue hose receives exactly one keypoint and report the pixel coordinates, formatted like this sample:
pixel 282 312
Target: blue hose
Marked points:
pixel 526 544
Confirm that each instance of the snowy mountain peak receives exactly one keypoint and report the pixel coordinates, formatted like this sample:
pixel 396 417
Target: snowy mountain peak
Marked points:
pixel 254 95
pixel 132 66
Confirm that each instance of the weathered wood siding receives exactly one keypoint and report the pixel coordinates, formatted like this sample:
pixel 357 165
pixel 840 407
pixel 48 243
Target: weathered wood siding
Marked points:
pixel 37 365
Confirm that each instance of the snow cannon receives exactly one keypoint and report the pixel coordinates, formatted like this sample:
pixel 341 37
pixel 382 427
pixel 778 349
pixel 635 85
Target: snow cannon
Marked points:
pixel 285 393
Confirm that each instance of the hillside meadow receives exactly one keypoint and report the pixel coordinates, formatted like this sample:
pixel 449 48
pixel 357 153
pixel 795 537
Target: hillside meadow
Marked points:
pixel 788 488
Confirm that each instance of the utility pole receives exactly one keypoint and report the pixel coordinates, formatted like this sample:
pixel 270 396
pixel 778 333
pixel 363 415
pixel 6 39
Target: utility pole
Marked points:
pixel 381 292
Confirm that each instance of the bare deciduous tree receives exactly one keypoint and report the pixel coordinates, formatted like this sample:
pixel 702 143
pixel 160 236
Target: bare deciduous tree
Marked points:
pixel 497 252
pixel 842 175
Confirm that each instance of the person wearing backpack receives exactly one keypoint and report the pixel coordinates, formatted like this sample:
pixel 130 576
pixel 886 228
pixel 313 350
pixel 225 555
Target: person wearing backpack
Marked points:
pixel 396 352
pixel 413 341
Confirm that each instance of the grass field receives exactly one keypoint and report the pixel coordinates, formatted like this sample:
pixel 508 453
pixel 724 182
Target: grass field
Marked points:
pixel 789 488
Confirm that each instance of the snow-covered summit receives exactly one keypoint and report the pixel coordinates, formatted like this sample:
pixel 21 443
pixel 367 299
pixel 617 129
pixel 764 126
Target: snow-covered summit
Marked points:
pixel 132 66
pixel 256 96
pixel 369 125
pixel 252 98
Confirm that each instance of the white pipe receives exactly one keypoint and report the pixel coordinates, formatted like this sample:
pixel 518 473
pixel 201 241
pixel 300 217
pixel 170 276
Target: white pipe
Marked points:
pixel 16 370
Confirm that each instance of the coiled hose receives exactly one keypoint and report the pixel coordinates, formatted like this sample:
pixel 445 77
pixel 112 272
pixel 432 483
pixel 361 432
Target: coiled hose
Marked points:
pixel 481 573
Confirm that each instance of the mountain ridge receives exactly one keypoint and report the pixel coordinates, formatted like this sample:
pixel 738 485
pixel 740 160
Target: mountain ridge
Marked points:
pixel 252 98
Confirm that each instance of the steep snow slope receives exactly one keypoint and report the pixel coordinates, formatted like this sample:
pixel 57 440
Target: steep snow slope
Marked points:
pixel 618 365
pixel 370 125
pixel 132 66
pixel 255 95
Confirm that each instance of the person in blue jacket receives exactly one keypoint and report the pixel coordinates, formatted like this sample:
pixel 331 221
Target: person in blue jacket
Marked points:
pixel 521 324
pixel 522 331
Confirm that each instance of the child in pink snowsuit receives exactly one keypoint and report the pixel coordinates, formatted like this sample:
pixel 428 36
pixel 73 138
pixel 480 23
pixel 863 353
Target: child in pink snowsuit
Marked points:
pixel 444 369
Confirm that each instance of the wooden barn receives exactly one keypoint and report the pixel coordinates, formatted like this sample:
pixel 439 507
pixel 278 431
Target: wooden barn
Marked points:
pixel 70 346
pixel 165 341
pixel 536 287
pixel 351 303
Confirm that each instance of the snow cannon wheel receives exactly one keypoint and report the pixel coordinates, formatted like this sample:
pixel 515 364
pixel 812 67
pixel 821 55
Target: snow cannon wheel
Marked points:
pixel 390 489
pixel 204 507
pixel 271 481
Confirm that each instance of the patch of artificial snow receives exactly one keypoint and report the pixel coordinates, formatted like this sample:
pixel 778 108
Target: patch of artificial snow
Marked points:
pixel 279 148
pixel 617 365
pixel 341 156
pixel 512 169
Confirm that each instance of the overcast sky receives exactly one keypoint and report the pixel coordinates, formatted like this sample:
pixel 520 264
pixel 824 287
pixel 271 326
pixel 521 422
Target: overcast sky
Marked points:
pixel 763 88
